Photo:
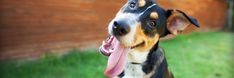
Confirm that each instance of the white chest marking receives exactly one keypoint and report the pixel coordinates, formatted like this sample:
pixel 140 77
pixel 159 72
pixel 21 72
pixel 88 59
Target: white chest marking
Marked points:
pixel 135 70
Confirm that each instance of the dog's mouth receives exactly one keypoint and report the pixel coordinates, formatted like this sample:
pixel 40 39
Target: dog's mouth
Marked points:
pixel 138 45
pixel 117 56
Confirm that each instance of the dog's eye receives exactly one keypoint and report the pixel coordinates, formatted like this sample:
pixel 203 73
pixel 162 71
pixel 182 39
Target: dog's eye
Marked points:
pixel 152 23
pixel 132 5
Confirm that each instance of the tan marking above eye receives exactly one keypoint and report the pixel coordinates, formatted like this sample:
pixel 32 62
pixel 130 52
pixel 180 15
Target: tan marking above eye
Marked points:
pixel 141 3
pixel 154 15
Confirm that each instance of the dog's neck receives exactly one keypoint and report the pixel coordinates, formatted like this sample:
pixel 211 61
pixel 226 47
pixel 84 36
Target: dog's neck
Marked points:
pixel 148 59
pixel 155 57
pixel 136 56
pixel 139 57
pixel 143 63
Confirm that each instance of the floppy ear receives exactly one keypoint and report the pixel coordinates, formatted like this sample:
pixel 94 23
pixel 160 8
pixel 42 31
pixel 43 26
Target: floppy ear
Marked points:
pixel 177 21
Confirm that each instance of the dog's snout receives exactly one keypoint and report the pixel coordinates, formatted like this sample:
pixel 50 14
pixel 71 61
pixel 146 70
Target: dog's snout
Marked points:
pixel 120 28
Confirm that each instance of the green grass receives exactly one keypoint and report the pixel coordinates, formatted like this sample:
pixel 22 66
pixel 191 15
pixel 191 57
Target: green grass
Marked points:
pixel 87 64
pixel 197 55
pixel 201 55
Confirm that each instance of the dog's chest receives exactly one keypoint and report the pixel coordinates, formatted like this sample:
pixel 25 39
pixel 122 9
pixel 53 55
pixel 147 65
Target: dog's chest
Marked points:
pixel 135 70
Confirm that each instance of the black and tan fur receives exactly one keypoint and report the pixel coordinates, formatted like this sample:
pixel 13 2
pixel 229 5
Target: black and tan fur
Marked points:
pixel 140 24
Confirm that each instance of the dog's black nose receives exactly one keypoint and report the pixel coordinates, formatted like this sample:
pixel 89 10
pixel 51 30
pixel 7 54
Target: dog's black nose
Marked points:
pixel 120 28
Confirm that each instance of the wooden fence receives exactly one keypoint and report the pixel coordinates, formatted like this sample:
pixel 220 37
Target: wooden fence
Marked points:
pixel 30 28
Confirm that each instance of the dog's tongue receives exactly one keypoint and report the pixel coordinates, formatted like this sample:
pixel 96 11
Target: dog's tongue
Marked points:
pixel 117 56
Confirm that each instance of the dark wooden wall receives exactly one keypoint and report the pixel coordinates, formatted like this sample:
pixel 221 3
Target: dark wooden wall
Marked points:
pixel 29 28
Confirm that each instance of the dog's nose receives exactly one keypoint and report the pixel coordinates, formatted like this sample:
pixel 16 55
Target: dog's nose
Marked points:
pixel 120 28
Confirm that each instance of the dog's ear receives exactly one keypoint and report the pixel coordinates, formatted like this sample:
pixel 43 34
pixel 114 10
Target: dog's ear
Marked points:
pixel 177 21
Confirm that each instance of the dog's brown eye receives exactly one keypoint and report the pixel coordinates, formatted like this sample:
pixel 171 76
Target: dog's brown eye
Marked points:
pixel 152 23
pixel 132 4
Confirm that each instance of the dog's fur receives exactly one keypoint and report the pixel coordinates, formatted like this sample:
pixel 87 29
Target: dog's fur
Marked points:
pixel 145 23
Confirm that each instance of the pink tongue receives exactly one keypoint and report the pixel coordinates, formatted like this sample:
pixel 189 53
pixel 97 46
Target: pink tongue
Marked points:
pixel 117 58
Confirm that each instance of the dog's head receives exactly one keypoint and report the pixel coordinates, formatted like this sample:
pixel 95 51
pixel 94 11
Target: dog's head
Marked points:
pixel 141 23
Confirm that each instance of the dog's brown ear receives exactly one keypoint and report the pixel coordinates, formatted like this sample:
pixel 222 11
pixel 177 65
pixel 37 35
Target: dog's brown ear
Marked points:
pixel 177 21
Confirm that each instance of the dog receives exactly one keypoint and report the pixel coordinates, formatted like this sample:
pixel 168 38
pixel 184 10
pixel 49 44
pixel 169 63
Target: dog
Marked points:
pixel 133 44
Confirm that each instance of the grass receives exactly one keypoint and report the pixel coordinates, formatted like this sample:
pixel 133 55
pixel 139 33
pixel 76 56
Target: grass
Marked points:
pixel 87 64
pixel 197 55
pixel 201 55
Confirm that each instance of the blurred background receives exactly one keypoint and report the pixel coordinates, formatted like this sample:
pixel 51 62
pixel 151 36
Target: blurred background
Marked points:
pixel 61 38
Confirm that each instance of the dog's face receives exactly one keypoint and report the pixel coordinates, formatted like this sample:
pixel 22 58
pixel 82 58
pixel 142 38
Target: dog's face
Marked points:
pixel 140 23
